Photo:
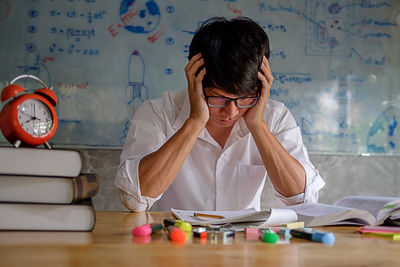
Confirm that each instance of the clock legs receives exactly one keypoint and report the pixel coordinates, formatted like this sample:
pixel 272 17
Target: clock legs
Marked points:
pixel 17 143
pixel 47 145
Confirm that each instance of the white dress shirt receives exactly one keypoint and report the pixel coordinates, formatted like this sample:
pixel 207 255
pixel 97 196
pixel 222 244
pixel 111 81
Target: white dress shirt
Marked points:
pixel 211 178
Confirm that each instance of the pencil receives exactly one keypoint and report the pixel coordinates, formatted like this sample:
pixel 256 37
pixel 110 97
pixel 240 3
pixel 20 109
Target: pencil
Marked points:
pixel 208 215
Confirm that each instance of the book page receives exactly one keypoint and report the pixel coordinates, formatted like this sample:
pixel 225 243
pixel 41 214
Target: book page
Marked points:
pixel 316 209
pixel 317 214
pixel 395 215
pixel 380 207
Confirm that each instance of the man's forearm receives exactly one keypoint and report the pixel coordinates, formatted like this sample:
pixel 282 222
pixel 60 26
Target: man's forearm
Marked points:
pixel 286 173
pixel 158 169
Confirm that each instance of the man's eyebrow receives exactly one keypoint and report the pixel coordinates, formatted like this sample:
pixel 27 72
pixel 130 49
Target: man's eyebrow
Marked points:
pixel 211 91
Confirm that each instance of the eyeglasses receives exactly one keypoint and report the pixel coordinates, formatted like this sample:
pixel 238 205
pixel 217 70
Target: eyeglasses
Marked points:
pixel 240 102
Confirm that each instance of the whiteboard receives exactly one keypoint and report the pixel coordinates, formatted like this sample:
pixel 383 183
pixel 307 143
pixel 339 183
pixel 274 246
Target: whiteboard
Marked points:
pixel 336 63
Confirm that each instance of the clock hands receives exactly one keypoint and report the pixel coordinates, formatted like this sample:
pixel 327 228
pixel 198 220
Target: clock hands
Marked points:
pixel 33 118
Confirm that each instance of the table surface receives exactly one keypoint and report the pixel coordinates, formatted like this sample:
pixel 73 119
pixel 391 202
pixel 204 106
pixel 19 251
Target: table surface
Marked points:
pixel 111 244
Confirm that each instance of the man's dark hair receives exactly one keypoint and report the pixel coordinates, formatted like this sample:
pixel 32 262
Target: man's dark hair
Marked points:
pixel 232 51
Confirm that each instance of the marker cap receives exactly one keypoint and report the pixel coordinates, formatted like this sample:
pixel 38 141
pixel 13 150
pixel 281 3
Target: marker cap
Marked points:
pixel 270 237
pixel 185 226
pixel 142 230
pixel 325 238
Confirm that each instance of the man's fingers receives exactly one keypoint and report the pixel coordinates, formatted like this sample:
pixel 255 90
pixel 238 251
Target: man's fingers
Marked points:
pixel 263 80
pixel 267 71
pixel 200 76
pixel 195 60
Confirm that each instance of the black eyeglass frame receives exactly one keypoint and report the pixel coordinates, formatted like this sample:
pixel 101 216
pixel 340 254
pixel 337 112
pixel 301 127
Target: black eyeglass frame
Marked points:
pixel 229 100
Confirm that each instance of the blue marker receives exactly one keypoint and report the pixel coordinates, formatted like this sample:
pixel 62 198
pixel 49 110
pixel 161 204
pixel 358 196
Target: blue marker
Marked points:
pixel 325 238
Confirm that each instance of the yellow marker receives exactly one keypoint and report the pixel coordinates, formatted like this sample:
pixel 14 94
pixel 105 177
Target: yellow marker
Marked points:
pixel 293 225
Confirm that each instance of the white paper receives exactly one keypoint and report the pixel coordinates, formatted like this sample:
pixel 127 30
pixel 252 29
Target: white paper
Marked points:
pixel 267 217
pixel 279 216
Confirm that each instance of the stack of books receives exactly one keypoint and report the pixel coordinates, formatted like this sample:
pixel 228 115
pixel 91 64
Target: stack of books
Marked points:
pixel 45 190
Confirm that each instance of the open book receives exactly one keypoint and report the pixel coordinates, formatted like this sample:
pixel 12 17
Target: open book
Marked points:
pixel 353 210
pixel 356 210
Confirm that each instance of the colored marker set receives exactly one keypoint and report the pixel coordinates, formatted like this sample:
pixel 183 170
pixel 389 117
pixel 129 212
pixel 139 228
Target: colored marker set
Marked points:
pixel 180 231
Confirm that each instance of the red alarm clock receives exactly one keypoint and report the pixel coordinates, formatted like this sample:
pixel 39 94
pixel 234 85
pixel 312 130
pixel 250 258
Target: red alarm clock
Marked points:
pixel 28 119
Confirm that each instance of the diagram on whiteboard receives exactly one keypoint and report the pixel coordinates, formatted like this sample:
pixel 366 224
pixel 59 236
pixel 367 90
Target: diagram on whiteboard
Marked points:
pixel 140 16
pixel 327 28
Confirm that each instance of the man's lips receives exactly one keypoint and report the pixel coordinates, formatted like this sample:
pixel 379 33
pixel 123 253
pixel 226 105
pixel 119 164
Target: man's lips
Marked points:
pixel 226 121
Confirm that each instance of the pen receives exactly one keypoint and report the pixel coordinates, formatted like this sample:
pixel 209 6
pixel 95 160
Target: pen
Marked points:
pixel 208 215
pixel 325 238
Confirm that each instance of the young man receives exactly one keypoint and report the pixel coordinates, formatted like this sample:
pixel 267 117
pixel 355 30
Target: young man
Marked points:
pixel 210 147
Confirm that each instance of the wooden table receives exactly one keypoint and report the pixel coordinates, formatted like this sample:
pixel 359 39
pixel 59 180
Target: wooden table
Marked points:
pixel 112 244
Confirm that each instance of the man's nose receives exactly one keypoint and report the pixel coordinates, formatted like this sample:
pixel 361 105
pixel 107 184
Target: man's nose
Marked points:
pixel 231 109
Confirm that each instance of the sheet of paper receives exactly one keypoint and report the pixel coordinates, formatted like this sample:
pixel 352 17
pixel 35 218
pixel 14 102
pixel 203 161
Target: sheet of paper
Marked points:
pixel 267 217
pixel 279 216
pixel 188 215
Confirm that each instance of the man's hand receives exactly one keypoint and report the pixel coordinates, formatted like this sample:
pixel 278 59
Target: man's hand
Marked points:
pixel 254 116
pixel 286 173
pixel 158 170
pixel 198 107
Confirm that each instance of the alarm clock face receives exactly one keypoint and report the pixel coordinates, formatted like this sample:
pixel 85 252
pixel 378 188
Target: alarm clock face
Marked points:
pixel 35 117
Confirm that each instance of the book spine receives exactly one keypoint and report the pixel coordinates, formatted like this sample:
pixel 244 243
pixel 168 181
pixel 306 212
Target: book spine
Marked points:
pixel 85 186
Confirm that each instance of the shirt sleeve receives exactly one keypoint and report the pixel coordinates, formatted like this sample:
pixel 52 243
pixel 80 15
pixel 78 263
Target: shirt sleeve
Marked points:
pixel 145 136
pixel 289 135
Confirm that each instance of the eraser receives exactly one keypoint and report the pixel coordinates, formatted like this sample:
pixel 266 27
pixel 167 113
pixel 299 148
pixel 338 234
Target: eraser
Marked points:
pixel 251 230
pixel 200 232
pixel 293 225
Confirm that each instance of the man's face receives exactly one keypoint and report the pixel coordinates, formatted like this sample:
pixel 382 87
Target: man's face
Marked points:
pixel 224 116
